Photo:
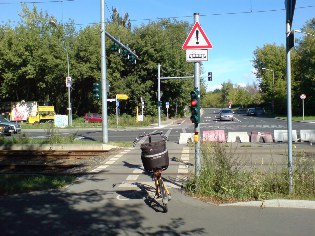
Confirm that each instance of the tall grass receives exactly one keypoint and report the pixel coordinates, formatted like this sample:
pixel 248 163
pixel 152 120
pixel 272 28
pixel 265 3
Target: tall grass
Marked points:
pixel 224 178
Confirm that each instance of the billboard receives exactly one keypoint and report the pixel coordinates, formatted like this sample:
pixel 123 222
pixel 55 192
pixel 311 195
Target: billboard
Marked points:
pixel 20 111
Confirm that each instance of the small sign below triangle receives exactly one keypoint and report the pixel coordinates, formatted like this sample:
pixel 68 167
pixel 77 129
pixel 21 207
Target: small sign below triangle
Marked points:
pixel 197 39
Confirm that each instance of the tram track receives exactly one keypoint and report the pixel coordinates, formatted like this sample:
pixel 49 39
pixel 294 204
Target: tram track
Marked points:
pixel 79 162
pixel 51 162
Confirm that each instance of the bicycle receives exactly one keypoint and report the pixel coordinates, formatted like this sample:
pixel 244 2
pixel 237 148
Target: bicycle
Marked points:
pixel 155 160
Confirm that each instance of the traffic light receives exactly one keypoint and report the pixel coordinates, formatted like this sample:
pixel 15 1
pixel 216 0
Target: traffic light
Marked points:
pixel 97 90
pixel 290 40
pixel 195 107
pixel 159 104
pixel 132 59
pixel 125 54
pixel 209 76
pixel 115 46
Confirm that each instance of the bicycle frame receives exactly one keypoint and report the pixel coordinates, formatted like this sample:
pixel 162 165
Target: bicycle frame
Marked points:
pixel 161 189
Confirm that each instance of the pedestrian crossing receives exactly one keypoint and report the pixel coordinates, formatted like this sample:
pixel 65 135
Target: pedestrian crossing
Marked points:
pixel 133 173
pixel 234 125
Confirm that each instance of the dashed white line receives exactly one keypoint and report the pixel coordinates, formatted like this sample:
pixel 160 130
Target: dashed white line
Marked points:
pixel 132 177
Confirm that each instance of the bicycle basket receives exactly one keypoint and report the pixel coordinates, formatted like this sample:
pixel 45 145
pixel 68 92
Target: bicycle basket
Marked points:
pixel 154 155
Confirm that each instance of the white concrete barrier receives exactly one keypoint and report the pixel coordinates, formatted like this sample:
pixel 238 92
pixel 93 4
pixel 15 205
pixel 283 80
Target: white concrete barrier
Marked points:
pixel 241 137
pixel 282 135
pixel 307 136
pixel 184 137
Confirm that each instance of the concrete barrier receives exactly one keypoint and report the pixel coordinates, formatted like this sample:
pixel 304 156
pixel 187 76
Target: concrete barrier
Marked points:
pixel 214 136
pixel 256 137
pixel 239 137
pixel 282 135
pixel 184 138
pixel 307 136
pixel 267 137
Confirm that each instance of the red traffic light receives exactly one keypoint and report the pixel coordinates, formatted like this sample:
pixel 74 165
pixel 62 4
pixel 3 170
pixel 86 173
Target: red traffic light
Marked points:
pixel 193 103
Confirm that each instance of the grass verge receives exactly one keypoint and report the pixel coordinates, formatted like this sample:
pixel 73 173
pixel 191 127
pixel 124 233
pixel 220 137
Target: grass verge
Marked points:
pixel 224 178
pixel 13 184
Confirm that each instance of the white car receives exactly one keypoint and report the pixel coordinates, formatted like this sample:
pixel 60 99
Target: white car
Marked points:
pixel 226 114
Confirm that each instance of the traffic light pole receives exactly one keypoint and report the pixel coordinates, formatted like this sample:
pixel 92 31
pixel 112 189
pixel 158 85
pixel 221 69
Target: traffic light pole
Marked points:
pixel 103 75
pixel 197 127
pixel 159 94
pixel 103 70
pixel 159 89
pixel 290 6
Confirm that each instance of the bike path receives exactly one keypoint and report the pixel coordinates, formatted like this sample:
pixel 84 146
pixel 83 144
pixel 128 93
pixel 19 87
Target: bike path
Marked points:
pixel 96 204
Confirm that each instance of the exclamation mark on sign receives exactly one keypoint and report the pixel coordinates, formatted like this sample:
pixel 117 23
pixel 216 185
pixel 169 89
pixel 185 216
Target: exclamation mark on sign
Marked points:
pixel 197 36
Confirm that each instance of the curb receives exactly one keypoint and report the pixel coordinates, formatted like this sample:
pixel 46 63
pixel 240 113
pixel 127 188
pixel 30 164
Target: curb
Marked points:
pixel 279 203
pixel 57 147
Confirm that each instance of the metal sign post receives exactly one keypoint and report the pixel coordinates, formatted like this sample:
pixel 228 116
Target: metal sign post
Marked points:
pixel 196 46
pixel 290 6
pixel 303 96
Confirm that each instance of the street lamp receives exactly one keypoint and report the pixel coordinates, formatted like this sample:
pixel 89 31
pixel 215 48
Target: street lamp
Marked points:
pixel 302 32
pixel 68 78
pixel 273 85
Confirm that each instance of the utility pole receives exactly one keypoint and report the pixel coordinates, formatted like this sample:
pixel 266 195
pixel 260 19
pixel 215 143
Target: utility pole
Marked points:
pixel 103 75
pixel 290 6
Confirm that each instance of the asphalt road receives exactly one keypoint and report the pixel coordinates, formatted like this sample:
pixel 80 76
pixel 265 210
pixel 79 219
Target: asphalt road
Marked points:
pixel 117 199
pixel 241 123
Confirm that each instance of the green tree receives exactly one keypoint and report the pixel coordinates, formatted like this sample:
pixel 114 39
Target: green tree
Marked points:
pixel 272 57
pixel 157 42
pixel 304 70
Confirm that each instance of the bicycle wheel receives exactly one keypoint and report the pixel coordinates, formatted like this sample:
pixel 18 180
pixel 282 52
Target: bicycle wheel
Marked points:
pixel 164 195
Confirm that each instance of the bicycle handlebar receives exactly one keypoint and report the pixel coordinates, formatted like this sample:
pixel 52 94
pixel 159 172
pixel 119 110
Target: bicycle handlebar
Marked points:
pixel 137 139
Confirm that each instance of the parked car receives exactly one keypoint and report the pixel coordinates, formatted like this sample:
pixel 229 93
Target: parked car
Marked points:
pixel 6 129
pixel 251 111
pixel 16 126
pixel 226 114
pixel 259 111
pixel 92 118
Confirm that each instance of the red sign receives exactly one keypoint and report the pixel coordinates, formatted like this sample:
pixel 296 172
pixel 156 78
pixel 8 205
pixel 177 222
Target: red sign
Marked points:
pixel 197 39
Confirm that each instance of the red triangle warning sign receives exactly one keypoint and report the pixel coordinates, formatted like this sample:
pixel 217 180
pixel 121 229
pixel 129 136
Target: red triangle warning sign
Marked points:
pixel 197 39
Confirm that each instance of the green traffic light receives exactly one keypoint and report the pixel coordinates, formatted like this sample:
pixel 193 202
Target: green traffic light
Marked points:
pixel 97 90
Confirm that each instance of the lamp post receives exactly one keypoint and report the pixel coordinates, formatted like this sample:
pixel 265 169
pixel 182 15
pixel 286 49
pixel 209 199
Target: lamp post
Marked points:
pixel 273 85
pixel 68 79
pixel 302 32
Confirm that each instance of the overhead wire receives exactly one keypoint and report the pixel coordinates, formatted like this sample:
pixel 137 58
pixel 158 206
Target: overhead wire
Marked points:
pixel 161 18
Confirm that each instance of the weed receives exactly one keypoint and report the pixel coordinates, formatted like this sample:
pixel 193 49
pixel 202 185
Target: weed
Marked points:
pixel 224 178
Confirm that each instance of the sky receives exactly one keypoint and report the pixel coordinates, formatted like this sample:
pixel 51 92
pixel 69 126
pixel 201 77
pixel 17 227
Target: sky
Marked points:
pixel 235 28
